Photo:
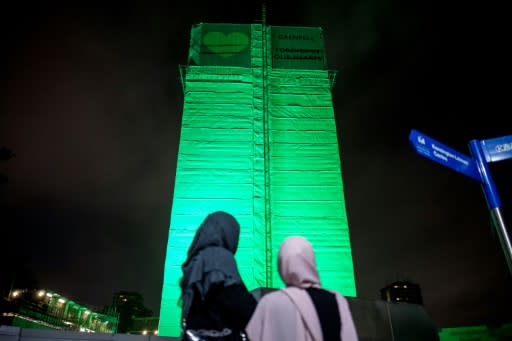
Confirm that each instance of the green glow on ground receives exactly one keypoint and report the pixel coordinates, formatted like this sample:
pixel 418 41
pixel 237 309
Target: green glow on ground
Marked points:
pixel 480 333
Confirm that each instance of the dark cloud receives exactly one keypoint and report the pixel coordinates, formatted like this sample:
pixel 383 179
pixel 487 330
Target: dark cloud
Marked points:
pixel 92 109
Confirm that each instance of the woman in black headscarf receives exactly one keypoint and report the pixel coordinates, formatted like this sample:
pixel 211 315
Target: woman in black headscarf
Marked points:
pixel 216 303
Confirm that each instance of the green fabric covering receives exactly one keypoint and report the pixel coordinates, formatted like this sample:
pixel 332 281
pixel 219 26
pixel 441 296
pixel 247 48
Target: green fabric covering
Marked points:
pixel 260 143
pixel 306 187
pixel 214 172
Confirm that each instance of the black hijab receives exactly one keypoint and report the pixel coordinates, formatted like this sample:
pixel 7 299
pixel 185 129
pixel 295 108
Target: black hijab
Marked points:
pixel 210 258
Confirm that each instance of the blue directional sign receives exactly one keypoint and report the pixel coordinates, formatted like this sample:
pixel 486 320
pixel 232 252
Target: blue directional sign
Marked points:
pixel 497 149
pixel 483 152
pixel 491 193
pixel 444 155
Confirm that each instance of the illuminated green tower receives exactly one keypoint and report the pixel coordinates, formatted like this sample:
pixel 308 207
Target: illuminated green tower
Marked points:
pixel 258 140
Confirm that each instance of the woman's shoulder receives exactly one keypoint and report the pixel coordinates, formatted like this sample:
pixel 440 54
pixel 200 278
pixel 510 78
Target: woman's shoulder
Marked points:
pixel 338 295
pixel 281 299
pixel 343 305
pixel 274 297
pixel 277 303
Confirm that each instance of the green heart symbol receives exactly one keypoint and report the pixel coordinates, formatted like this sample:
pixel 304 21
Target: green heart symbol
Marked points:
pixel 226 45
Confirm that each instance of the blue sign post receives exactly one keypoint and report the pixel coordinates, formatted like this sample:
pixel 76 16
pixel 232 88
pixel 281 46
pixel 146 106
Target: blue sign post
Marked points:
pixel 483 152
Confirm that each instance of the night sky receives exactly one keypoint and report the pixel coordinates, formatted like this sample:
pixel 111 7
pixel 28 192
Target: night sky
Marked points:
pixel 91 105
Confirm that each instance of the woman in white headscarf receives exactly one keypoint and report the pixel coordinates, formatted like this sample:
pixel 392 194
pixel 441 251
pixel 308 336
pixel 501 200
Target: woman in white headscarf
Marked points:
pixel 302 311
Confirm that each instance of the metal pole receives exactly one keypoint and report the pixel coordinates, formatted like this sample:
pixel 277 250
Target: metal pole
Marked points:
pixel 390 323
pixel 506 245
pixel 493 200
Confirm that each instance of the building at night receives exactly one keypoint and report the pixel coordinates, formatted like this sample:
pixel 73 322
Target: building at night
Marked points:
pixel 129 305
pixel 258 140
pixel 402 291
pixel 43 309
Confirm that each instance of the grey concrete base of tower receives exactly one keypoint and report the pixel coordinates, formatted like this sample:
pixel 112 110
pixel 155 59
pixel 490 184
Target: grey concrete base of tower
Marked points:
pixel 378 320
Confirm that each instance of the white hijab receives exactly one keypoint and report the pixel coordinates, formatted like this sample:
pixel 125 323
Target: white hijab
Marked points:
pixel 297 267
pixel 276 317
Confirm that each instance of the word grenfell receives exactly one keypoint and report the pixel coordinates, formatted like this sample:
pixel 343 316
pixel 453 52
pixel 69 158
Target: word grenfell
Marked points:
pixel 294 37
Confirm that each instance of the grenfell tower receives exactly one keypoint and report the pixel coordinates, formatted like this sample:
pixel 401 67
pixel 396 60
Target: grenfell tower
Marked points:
pixel 258 140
